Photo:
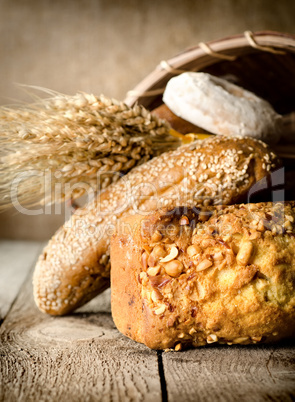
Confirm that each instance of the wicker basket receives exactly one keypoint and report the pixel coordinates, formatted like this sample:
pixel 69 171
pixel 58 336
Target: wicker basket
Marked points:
pixel 262 62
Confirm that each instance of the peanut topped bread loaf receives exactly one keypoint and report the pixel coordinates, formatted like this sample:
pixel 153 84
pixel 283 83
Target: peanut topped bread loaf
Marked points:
pixel 74 266
pixel 194 276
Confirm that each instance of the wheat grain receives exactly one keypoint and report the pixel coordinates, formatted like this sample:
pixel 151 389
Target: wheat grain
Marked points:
pixel 74 139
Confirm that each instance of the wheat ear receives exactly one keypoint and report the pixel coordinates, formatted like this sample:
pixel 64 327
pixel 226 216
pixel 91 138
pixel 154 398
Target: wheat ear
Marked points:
pixel 73 139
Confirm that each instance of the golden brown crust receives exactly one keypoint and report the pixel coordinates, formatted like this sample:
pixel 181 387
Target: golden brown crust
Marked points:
pixel 124 277
pixel 74 266
pixel 189 277
pixel 176 122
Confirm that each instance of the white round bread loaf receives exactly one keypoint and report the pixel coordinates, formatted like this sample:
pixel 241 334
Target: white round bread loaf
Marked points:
pixel 221 107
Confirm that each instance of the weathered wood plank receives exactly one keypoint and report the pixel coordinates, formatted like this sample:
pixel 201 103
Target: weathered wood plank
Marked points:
pixel 233 373
pixel 81 357
pixel 16 259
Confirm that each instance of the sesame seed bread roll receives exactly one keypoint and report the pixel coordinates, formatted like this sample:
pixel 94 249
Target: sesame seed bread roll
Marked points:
pixel 74 266
pixel 191 276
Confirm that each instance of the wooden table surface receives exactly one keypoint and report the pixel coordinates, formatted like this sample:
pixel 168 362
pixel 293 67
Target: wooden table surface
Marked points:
pixel 82 357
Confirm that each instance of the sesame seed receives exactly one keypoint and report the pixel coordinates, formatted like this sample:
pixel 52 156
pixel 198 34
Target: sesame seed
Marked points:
pixel 86 231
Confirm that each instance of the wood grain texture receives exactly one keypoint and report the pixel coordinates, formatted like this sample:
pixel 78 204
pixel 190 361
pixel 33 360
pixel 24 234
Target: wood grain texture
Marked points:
pixel 83 357
pixel 102 46
pixel 76 358
pixel 16 259
pixel 231 373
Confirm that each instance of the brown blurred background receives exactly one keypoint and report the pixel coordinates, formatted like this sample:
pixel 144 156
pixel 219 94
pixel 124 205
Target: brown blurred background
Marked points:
pixel 102 46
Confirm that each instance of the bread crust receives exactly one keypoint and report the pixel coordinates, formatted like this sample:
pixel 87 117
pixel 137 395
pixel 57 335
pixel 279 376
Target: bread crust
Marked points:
pixel 176 122
pixel 222 107
pixel 237 278
pixel 74 266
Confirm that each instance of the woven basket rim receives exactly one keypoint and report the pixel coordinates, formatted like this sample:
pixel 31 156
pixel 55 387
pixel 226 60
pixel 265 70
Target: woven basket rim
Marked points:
pixel 233 45
pixel 258 35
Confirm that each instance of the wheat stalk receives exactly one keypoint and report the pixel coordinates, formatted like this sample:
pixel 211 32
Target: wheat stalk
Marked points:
pixel 73 139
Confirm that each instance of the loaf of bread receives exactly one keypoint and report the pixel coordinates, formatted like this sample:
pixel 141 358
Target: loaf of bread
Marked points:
pixel 195 276
pixel 221 107
pixel 177 123
pixel 74 266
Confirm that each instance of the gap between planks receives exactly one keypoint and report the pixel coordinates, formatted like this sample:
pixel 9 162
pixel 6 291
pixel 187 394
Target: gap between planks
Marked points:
pixel 81 357
pixel 84 358
pixel 257 373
